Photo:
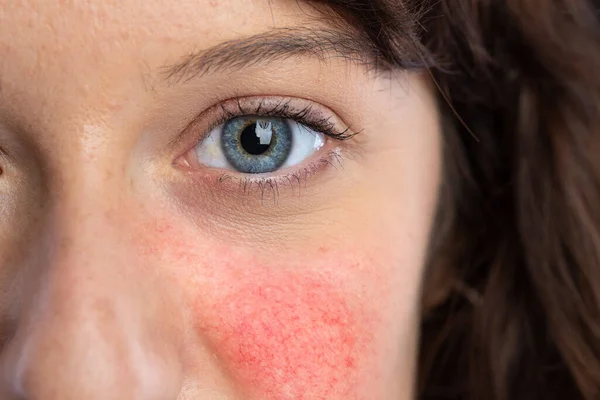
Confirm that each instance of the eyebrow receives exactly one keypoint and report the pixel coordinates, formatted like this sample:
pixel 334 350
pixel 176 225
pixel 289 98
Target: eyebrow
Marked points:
pixel 275 45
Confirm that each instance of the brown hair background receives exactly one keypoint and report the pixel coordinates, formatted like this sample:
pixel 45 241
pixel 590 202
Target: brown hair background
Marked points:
pixel 511 296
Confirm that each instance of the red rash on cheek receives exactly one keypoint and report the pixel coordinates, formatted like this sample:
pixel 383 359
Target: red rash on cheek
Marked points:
pixel 279 331
pixel 290 337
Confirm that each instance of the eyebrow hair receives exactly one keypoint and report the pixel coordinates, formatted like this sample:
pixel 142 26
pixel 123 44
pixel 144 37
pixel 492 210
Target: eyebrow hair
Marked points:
pixel 274 45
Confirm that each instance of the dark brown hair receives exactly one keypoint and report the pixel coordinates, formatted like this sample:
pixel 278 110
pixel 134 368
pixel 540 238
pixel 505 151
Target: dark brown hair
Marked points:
pixel 511 296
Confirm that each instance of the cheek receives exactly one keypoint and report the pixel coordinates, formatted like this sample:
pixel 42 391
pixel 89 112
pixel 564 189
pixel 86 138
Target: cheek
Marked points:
pixel 283 329
pixel 290 336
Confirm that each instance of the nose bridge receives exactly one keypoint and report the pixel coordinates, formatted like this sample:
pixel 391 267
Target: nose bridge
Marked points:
pixel 81 246
pixel 82 334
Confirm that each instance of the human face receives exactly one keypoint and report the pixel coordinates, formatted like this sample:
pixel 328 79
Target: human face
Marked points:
pixel 137 263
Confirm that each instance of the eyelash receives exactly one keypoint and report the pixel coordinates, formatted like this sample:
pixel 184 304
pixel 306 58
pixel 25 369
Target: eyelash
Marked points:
pixel 245 184
pixel 305 116
pixel 281 108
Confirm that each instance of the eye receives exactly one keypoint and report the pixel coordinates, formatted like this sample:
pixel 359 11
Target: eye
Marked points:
pixel 256 145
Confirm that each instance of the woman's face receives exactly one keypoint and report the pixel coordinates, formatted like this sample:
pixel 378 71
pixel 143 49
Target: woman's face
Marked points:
pixel 173 223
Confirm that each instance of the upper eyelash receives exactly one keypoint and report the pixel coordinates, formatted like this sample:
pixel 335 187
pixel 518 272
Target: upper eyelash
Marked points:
pixel 282 109
pixel 308 115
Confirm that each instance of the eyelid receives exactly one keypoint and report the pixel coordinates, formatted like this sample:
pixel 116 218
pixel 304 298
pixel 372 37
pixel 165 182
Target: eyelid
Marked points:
pixel 288 180
pixel 307 112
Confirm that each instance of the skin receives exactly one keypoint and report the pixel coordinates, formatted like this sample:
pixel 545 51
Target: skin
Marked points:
pixel 127 272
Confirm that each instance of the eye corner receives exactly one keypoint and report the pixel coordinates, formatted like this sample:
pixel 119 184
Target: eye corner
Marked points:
pixel 187 161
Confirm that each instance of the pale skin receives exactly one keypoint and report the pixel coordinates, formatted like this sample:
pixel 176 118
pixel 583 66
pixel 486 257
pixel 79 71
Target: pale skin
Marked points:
pixel 129 270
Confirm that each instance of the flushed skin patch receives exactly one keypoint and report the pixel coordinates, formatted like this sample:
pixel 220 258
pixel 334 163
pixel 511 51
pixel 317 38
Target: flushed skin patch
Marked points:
pixel 291 336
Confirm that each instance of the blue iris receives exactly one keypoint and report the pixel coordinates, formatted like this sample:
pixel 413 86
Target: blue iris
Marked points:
pixel 256 145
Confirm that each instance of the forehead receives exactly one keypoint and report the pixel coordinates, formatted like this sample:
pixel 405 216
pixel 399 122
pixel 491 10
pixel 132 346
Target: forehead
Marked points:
pixel 82 49
pixel 135 22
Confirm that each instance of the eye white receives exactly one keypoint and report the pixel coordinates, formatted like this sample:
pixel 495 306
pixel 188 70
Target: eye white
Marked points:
pixel 210 152
pixel 305 142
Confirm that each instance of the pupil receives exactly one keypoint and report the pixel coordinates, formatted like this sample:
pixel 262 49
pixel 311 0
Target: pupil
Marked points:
pixel 251 140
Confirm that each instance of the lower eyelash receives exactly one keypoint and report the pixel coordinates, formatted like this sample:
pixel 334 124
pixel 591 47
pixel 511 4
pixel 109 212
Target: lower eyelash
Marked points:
pixel 270 186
